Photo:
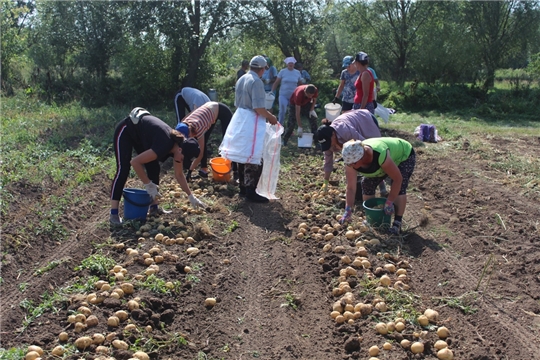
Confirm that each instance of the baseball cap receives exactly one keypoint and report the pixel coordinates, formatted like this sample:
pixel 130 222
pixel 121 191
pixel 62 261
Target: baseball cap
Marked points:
pixel 361 56
pixel 190 150
pixel 258 62
pixel 183 128
pixel 324 136
pixel 353 150
pixel 347 60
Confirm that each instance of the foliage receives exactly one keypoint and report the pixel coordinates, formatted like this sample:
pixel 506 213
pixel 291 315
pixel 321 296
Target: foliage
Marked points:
pixel 97 264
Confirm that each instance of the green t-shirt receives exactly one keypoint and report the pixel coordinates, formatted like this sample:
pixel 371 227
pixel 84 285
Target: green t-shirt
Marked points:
pixel 399 151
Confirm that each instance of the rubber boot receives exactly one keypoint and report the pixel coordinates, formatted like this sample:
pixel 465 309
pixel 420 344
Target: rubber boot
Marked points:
pixel 252 195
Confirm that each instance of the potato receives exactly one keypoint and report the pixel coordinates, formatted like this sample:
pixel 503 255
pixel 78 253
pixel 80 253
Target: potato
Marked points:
pixel 141 355
pixel 381 329
pixel 374 350
pixel 119 344
pixel 32 355
pixel 445 354
pixel 327 248
pixel 92 321
pixel 102 350
pixel 400 326
pixel 405 343
pixel 127 288
pixel 192 251
pixel 391 268
pixel 387 346
pixel 381 306
pixel 117 268
pixel 350 234
pixel 210 302
pixel 58 351
pixel 432 315
pixel 443 332
pixel 121 315
pixel 334 314
pixel 440 344
pixel 417 347
pixel 113 321
pixel 385 280
pixel 84 310
pixel 63 336
pixel 83 342
pixel 81 318
pixel 36 349
pixel 79 327
pixel 340 319
pixel 98 339
pixel 423 320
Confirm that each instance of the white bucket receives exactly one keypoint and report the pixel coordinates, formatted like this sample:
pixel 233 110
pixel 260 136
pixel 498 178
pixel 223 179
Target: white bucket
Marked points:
pixel 332 111
pixel 269 101
pixel 306 140
pixel 212 94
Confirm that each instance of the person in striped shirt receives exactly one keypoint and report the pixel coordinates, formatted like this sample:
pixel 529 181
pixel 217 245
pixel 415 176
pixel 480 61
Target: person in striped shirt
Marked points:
pixel 199 125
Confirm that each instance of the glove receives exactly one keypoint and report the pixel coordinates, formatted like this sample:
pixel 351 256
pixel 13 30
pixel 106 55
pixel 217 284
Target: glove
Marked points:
pixel 152 190
pixel 188 176
pixel 346 216
pixel 300 132
pixel 312 113
pixel 388 207
pixel 196 203
pixel 335 100
pixel 324 187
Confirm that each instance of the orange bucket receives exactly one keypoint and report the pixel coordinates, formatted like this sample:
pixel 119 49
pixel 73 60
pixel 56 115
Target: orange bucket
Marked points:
pixel 221 169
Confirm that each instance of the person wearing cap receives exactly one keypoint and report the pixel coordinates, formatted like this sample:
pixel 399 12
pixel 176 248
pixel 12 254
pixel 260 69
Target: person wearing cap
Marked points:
pixel 305 77
pixel 289 78
pixel 242 71
pixel 346 88
pixel 189 99
pixel 364 83
pixel 376 159
pixel 154 141
pixel 270 75
pixel 199 125
pixel 352 125
pixel 244 140
pixel 302 102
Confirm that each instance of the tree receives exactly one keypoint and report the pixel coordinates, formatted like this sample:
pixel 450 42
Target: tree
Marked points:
pixel 496 28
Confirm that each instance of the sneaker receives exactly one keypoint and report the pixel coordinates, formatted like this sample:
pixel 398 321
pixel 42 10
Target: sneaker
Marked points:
pixel 156 211
pixel 396 228
pixel 203 174
pixel 115 220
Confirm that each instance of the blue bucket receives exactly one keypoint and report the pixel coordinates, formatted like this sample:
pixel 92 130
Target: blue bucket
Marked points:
pixel 136 203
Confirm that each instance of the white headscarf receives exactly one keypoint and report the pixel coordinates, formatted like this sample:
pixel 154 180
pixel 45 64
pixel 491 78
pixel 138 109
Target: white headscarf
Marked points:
pixel 290 59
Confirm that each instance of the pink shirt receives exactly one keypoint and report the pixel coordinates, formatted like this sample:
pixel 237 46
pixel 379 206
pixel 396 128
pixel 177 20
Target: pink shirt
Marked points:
pixel 200 120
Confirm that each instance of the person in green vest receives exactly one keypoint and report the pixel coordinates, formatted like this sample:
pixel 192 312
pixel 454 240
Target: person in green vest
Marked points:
pixel 376 159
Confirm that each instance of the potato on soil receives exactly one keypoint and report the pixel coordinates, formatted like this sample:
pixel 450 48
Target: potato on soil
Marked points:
pixel 83 342
pixel 119 344
pixel 141 355
pixel 32 355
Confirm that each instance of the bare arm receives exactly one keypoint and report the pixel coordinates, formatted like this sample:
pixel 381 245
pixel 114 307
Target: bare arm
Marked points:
pixel 340 88
pixel 278 80
pixel 138 164
pixel 267 115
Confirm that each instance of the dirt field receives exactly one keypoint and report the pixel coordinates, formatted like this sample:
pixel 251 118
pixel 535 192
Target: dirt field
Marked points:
pixel 471 251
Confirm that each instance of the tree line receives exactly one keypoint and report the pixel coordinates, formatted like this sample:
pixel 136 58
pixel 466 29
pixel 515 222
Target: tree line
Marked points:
pixel 142 52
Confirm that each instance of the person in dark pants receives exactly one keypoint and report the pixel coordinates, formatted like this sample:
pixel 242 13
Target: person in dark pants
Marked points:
pixel 189 99
pixel 250 111
pixel 154 141
pixel 302 102
pixel 199 124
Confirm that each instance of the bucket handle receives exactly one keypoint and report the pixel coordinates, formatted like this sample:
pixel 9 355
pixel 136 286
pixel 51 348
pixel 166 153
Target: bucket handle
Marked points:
pixel 136 203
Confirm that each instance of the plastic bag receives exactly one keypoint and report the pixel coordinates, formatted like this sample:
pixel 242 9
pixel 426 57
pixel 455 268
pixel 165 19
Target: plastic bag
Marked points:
pixel 427 133
pixel 382 112
pixel 271 164
pixel 243 140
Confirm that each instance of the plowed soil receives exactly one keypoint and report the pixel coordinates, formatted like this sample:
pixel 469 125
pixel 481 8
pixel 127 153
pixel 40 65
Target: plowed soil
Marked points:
pixel 471 249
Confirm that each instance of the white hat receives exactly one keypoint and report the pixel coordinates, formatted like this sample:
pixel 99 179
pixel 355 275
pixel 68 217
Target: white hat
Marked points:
pixel 258 62
pixel 353 150
pixel 290 59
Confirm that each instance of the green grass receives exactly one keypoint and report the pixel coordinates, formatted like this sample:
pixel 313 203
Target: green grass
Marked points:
pixel 158 285
pixel 14 353
pixel 464 302
pixel 51 265
pixel 49 303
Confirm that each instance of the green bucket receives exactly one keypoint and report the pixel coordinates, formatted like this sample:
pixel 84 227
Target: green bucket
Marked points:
pixel 375 213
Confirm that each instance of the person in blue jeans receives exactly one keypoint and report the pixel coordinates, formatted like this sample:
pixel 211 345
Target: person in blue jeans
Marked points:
pixel 289 79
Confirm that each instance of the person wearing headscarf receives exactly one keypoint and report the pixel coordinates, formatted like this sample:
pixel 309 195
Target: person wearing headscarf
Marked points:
pixel 376 159
pixel 289 78
pixel 154 141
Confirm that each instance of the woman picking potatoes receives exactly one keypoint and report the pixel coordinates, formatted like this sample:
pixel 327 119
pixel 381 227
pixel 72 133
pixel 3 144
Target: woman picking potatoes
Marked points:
pixel 154 141
pixel 376 159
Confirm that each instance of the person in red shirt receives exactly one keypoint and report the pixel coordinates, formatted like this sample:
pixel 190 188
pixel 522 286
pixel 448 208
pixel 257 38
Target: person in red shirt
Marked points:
pixel 364 84
pixel 302 102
